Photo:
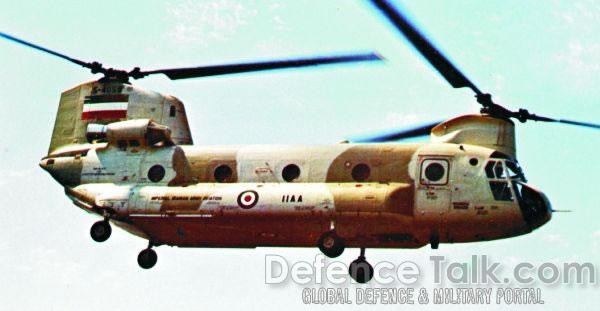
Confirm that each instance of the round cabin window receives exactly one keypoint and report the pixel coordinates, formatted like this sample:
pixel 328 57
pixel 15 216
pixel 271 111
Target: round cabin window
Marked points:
pixel 361 172
pixel 156 173
pixel 434 172
pixel 223 173
pixel 290 172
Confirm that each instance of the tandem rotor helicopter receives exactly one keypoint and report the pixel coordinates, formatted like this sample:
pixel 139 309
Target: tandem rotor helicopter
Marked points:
pixel 126 154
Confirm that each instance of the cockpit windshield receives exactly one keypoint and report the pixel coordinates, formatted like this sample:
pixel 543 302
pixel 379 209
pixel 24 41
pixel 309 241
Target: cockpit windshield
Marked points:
pixel 494 169
pixel 514 171
pixel 502 174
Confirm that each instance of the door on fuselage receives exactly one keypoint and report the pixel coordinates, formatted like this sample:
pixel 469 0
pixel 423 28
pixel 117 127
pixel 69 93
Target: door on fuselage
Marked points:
pixel 433 193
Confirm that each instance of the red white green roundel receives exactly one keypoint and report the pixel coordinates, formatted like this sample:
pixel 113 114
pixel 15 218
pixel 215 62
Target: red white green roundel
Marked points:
pixel 247 199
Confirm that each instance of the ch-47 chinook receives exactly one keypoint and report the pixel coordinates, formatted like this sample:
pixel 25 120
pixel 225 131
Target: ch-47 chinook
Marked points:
pixel 126 154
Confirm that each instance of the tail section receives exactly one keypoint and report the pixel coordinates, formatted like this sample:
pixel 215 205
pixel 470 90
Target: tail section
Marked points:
pixel 108 102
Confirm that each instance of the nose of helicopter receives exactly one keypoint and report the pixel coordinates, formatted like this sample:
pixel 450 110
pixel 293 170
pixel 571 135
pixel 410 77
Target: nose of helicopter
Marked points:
pixel 535 206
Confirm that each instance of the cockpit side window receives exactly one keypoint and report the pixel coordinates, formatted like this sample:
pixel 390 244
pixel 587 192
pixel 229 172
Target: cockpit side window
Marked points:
pixel 499 170
pixel 501 191
pixel 489 169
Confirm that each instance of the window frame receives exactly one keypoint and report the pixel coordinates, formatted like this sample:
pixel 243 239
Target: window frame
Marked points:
pixel 505 179
pixel 423 180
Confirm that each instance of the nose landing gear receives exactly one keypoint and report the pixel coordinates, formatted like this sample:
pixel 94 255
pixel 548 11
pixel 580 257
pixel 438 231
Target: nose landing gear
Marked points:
pixel 100 231
pixel 360 269
pixel 434 240
pixel 147 257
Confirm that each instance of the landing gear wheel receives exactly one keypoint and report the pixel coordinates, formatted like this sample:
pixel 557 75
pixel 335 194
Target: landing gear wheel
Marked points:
pixel 100 231
pixel 147 258
pixel 331 244
pixel 360 269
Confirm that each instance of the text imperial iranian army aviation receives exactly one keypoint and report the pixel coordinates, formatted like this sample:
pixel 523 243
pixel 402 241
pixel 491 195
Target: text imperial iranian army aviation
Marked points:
pixel 126 154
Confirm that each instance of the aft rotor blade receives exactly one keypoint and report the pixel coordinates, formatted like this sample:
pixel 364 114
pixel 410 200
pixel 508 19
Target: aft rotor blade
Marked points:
pixel 456 78
pixel 217 70
pixel 93 65
pixel 419 130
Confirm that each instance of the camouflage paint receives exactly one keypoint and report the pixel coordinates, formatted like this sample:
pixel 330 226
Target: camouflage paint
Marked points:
pixel 389 204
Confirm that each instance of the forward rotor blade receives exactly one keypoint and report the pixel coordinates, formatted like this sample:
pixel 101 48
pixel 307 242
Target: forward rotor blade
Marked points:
pixel 524 115
pixel 96 67
pixel 571 122
pixel 419 130
pixel 454 76
pixel 426 48
pixel 197 72
pixel 586 124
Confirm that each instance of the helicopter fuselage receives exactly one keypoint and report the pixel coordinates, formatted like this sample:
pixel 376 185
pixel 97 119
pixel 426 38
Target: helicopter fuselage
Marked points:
pixel 372 195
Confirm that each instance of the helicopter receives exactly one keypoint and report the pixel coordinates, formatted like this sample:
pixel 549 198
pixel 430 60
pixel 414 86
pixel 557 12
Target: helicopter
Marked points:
pixel 125 154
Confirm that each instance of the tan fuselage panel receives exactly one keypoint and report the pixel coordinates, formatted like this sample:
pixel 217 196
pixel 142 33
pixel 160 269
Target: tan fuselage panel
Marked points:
pixel 274 214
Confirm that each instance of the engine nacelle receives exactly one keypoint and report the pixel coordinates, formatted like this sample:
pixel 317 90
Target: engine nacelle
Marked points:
pixel 144 132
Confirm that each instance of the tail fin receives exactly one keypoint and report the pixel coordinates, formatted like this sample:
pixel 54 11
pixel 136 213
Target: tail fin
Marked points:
pixel 103 103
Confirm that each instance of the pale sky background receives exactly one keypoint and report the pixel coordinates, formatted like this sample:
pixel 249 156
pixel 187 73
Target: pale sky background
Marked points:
pixel 541 55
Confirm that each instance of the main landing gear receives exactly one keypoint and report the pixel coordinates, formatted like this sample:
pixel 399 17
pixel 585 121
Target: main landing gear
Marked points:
pixel 147 257
pixel 332 246
pixel 360 269
pixel 101 231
